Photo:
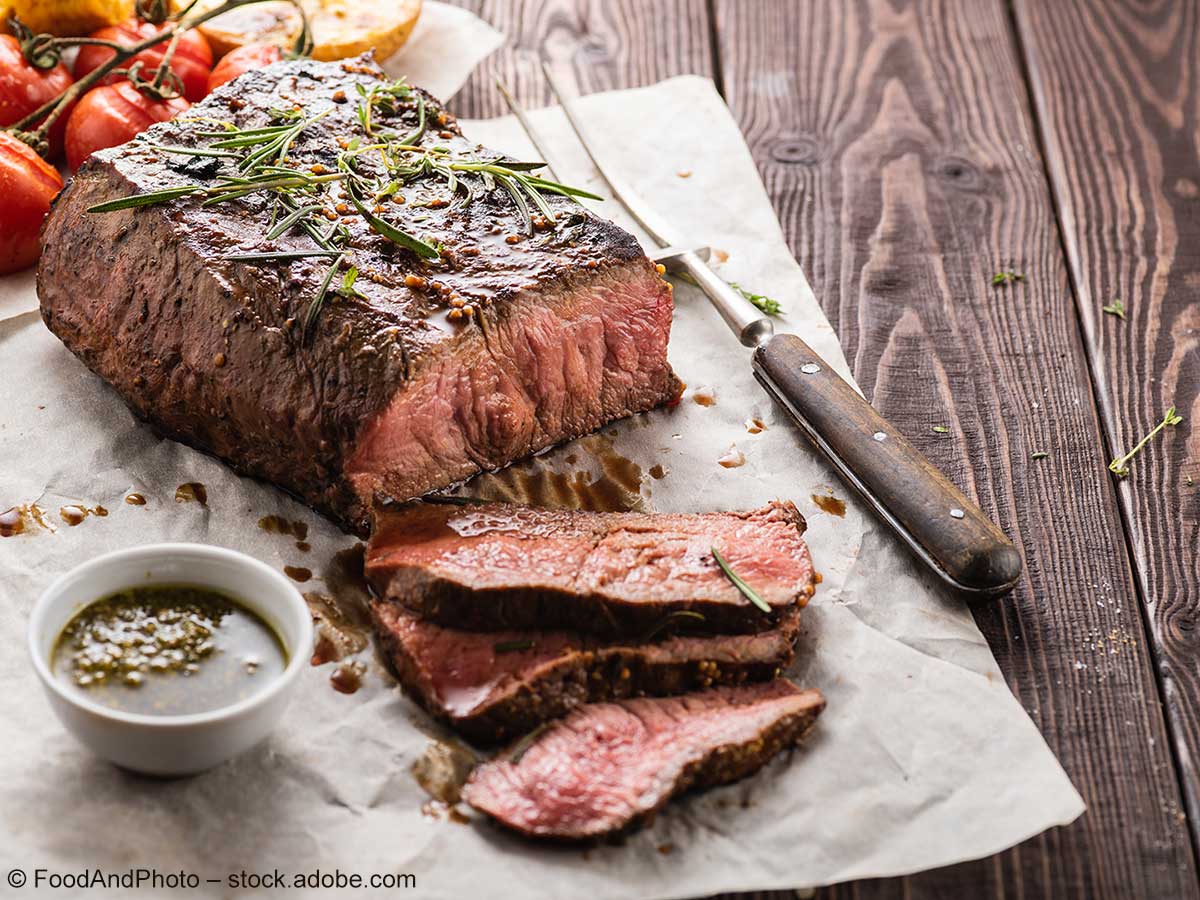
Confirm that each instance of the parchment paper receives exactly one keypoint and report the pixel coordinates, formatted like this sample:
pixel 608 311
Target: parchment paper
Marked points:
pixel 923 757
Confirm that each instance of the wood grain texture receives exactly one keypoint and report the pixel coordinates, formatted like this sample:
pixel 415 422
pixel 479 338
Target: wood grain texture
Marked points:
pixel 897 143
pixel 1117 89
pixel 596 45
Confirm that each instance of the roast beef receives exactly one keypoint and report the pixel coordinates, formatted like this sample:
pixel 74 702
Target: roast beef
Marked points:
pixel 494 686
pixel 609 766
pixel 494 567
pixel 521 333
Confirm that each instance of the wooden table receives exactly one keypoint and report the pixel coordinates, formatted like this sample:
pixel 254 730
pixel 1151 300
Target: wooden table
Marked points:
pixel 914 149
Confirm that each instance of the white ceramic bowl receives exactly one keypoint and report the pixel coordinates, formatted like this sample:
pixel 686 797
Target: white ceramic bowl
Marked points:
pixel 185 744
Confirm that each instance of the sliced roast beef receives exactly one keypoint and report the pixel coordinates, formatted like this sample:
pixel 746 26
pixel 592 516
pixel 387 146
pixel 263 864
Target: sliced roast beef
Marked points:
pixel 493 686
pixel 609 766
pixel 406 374
pixel 494 567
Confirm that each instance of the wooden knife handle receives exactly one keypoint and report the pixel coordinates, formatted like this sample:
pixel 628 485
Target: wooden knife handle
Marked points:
pixel 945 529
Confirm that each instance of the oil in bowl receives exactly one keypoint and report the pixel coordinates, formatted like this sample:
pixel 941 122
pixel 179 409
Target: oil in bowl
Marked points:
pixel 167 650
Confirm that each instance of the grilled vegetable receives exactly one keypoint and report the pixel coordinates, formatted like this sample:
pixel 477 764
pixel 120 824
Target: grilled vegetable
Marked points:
pixel 69 17
pixel 340 28
pixel 243 59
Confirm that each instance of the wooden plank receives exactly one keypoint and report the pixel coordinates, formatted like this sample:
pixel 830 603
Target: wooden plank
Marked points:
pixel 897 143
pixel 1117 89
pixel 599 45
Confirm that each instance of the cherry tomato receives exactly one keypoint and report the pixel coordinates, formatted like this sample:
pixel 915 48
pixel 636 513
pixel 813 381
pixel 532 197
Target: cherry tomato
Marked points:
pixel 27 183
pixel 241 60
pixel 191 61
pixel 111 115
pixel 24 88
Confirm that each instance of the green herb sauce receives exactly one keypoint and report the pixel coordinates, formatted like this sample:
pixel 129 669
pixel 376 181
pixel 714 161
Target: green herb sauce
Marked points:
pixel 168 649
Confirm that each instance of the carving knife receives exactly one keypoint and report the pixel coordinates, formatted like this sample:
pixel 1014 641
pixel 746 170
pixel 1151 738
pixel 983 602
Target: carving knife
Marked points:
pixel 938 523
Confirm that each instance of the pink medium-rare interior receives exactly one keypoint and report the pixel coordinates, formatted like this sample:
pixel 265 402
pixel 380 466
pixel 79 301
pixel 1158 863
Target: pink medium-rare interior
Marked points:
pixel 609 762
pixel 630 557
pixel 545 369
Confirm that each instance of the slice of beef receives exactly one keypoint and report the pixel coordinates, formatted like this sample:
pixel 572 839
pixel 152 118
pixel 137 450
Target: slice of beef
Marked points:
pixel 394 390
pixel 495 566
pixel 494 686
pixel 609 766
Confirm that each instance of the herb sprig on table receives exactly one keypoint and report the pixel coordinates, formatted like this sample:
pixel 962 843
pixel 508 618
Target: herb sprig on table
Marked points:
pixel 760 301
pixel 1120 465
pixel 257 161
pixel 1116 308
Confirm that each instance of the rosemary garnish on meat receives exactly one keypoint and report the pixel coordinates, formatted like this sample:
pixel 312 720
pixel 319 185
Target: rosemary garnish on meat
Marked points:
pixel 1120 465
pixel 369 169
pixel 670 619
pixel 748 592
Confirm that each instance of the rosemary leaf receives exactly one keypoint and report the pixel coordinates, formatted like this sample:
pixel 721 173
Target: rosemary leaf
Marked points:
pixel 291 219
pixel 940 429
pixel 1120 465
pixel 668 620
pixel 1116 308
pixel 280 256
pixel 455 500
pixel 391 232
pixel 554 187
pixel 748 592
pixel 518 198
pixel 148 199
pixel 761 301
pixel 192 151
pixel 314 308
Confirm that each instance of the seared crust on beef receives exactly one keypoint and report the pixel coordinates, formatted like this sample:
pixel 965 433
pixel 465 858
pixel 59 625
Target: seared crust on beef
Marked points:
pixel 387 395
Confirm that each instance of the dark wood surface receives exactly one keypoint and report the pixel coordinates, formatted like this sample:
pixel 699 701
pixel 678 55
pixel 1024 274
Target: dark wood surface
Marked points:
pixel 1122 144
pixel 912 149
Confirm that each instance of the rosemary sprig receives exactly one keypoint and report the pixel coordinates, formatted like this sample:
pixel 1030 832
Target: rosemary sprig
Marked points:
pixel 455 500
pixel 148 199
pixel 391 232
pixel 257 161
pixel 748 592
pixel 1120 467
pixel 280 256
pixel 676 616
pixel 314 308
pixel 1116 308
pixel 761 301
